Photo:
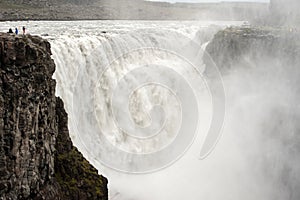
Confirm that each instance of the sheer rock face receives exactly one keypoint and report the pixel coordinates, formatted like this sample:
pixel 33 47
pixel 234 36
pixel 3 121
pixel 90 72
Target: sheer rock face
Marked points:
pixel 34 140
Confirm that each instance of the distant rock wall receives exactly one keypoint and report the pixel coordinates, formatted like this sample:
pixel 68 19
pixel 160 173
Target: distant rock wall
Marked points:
pixel 37 158
pixel 236 46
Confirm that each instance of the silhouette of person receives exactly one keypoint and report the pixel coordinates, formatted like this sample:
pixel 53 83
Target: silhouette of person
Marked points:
pixel 16 31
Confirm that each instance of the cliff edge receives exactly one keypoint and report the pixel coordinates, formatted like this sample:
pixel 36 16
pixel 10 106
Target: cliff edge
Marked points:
pixel 37 158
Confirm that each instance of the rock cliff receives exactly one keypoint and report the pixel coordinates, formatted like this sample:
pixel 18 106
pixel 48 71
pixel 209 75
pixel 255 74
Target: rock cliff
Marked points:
pixel 37 158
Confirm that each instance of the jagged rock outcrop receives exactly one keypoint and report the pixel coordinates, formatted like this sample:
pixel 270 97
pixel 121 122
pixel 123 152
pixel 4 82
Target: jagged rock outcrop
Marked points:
pixel 37 158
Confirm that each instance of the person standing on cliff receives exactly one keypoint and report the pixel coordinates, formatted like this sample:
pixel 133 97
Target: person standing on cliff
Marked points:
pixel 10 31
pixel 24 30
pixel 16 31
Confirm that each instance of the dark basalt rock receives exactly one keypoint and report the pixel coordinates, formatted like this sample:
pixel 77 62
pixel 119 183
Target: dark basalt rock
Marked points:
pixel 37 158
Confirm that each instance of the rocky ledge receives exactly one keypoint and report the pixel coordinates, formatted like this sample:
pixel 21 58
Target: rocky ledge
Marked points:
pixel 37 158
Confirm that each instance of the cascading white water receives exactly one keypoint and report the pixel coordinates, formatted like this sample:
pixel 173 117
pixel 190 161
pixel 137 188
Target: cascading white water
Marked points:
pixel 113 56
pixel 97 65
pixel 93 60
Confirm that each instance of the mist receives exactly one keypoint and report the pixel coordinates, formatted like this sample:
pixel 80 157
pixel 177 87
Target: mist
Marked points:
pixel 285 12
pixel 264 112
pixel 257 156
pixel 256 49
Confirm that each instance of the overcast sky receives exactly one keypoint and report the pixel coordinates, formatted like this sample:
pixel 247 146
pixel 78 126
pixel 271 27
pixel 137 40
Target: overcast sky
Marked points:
pixel 198 1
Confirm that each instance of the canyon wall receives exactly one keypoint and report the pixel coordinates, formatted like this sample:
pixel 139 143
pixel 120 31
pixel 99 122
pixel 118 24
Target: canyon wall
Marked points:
pixel 37 158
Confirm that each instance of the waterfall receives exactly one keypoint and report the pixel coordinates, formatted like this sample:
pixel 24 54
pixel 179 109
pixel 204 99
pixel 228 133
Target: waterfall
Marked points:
pixel 125 94
pixel 137 98
pixel 141 100
pixel 145 106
